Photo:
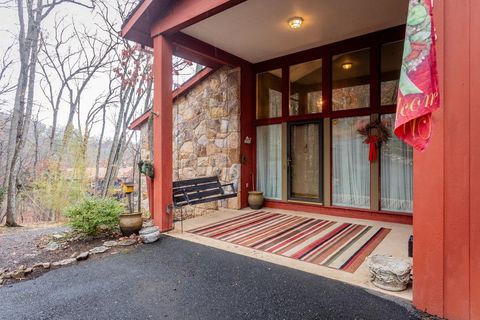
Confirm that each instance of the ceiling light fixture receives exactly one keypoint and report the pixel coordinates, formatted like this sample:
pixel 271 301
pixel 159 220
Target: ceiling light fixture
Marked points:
pixel 347 66
pixel 295 22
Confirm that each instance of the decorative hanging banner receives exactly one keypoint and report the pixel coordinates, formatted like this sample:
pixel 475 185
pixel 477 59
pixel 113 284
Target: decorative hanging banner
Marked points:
pixel 418 94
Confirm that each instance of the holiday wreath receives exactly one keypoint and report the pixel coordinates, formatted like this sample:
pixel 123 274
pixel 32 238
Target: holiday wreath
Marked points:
pixel 375 134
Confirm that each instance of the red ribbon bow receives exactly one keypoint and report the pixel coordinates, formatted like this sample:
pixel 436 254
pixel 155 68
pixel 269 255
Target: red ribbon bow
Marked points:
pixel 372 154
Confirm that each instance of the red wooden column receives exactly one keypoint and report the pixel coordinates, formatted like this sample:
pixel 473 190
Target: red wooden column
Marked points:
pixel 447 175
pixel 247 116
pixel 162 132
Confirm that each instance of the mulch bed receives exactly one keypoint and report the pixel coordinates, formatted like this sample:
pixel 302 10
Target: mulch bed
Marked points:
pixel 24 247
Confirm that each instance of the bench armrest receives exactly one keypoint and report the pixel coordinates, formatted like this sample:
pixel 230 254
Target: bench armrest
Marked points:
pixel 231 186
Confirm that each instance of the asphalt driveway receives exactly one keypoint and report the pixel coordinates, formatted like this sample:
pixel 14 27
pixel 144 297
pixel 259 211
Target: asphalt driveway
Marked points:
pixel 176 279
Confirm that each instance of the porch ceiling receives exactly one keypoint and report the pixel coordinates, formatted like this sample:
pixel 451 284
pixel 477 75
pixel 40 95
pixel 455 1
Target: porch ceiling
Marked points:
pixel 257 30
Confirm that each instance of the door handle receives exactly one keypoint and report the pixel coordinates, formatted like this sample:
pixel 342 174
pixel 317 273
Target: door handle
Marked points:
pixel 289 162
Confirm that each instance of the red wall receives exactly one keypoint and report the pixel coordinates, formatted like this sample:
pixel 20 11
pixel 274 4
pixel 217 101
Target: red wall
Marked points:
pixel 446 195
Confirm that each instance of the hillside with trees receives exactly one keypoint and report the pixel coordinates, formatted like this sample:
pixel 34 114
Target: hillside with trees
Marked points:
pixel 68 91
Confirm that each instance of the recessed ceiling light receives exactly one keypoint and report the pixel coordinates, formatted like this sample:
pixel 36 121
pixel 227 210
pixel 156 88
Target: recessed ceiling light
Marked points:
pixel 295 22
pixel 347 66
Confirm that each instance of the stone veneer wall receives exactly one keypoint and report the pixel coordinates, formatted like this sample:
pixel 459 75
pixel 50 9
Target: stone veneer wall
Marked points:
pixel 206 135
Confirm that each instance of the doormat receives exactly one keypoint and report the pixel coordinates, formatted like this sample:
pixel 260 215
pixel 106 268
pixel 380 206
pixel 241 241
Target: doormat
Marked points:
pixel 338 245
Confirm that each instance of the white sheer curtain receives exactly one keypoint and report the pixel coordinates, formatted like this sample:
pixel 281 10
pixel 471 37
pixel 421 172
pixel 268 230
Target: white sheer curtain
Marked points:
pixel 269 160
pixel 350 165
pixel 396 172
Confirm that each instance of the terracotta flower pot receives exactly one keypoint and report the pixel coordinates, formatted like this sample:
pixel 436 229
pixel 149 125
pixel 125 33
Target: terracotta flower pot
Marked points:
pixel 255 199
pixel 130 223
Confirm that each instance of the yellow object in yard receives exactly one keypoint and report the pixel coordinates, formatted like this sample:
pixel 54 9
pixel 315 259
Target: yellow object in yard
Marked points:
pixel 127 188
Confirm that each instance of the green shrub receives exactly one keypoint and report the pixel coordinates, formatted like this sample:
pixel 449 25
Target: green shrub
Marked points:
pixel 91 213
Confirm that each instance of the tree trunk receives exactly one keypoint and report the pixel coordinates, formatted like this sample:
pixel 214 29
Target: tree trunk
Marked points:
pixel 18 116
pixel 53 133
pixel 100 142
pixel 36 138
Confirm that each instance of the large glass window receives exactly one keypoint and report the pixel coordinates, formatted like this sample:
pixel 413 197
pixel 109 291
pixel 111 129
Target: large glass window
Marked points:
pixel 292 168
pixel 306 88
pixel 350 165
pixel 351 80
pixel 269 94
pixel 396 172
pixel 391 62
pixel 269 160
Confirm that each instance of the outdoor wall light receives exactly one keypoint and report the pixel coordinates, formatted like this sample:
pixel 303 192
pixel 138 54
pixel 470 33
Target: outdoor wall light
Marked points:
pixel 347 66
pixel 295 22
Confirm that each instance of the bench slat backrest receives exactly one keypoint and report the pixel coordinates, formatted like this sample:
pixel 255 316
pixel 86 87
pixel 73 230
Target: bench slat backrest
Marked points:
pixel 195 181
pixel 198 190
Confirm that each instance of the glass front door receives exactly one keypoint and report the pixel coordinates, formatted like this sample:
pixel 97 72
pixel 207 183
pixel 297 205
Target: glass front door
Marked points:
pixel 305 161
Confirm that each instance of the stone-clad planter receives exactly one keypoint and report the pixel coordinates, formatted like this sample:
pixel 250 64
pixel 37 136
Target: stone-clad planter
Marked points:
pixel 389 273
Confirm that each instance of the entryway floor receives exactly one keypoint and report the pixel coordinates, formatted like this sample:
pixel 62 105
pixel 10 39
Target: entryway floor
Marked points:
pixel 395 244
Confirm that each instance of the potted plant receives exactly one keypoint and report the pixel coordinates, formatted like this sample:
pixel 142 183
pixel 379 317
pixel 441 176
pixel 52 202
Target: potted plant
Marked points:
pixel 146 167
pixel 255 198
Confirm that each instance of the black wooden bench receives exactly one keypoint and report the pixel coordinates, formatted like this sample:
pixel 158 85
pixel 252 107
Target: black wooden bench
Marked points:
pixel 200 190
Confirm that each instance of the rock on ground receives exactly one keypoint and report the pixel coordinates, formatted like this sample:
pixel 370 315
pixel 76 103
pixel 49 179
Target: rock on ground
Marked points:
pixel 111 243
pixel 64 262
pixel 100 249
pixel 127 242
pixel 83 256
pixel 44 265
pixel 52 246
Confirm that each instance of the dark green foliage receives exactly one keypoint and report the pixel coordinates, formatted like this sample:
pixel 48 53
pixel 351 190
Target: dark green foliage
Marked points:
pixel 146 167
pixel 92 214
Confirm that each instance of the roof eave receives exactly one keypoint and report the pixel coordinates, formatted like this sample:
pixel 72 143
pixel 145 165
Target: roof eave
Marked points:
pixel 137 25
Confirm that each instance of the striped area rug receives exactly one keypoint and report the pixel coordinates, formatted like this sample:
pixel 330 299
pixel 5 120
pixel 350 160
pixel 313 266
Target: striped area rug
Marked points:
pixel 338 245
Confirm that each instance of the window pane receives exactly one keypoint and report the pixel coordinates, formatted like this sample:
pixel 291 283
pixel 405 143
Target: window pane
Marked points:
pixel 351 80
pixel 305 161
pixel 306 88
pixel 350 165
pixel 269 94
pixel 269 160
pixel 396 172
pixel 391 64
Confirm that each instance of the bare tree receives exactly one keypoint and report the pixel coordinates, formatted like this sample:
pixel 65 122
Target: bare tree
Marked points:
pixel 109 96
pixel 31 14
pixel 74 56
pixel 134 75
pixel 99 107
pixel 6 85
pixel 134 94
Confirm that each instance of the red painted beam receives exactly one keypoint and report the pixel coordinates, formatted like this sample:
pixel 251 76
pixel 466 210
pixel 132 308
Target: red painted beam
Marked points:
pixel 137 26
pixel 183 89
pixel 474 161
pixel 188 85
pixel 162 133
pixel 202 51
pixel 247 129
pixel 137 123
pixel 135 16
pixel 183 13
